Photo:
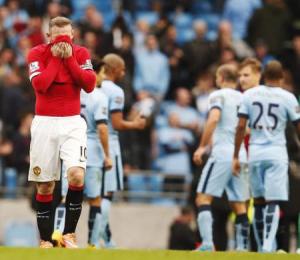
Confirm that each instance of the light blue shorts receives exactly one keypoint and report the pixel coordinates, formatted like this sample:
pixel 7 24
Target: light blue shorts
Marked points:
pixel 217 176
pixel 269 179
pixel 113 179
pixel 93 182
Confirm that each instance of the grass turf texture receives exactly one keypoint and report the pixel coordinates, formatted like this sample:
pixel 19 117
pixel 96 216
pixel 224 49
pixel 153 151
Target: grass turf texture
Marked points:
pixel 85 254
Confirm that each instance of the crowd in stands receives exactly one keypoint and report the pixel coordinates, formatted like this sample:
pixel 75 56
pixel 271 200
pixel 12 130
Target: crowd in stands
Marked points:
pixel 171 49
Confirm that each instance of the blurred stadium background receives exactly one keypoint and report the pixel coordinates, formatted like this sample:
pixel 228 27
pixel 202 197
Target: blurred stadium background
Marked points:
pixel 188 40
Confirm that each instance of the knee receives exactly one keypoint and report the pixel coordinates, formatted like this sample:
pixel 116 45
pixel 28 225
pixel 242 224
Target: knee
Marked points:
pixel 76 176
pixel 203 199
pixel 45 188
pixel 94 202
pixel 259 202
pixel 109 196
pixel 239 207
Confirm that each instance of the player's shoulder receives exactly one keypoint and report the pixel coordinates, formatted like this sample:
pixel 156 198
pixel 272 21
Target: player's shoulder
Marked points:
pixel 38 50
pixel 100 95
pixel 216 93
pixel 111 88
pixel 79 49
pixel 285 93
pixel 253 91
pixel 231 92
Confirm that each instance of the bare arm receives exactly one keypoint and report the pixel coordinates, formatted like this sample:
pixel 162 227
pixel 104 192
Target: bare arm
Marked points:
pixel 119 123
pixel 239 136
pixel 212 121
pixel 211 124
pixel 102 130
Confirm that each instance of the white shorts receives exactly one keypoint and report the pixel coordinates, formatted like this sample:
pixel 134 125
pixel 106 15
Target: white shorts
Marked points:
pixel 55 140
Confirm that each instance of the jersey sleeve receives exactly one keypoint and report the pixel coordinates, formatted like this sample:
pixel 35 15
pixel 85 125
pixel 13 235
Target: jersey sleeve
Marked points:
pixel 243 110
pixel 84 60
pixel 293 109
pixel 215 100
pixel 35 66
pixel 117 102
pixel 101 111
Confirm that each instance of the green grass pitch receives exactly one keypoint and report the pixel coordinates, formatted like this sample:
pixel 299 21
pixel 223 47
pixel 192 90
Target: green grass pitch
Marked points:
pixel 87 254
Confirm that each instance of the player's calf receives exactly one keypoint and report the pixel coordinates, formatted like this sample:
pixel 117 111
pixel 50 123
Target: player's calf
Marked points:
pixel 74 200
pixel 44 212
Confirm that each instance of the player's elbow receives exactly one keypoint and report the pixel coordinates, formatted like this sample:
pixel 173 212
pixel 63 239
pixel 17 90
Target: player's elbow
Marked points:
pixel 103 129
pixel 89 82
pixel 117 126
pixel 38 86
pixel 89 88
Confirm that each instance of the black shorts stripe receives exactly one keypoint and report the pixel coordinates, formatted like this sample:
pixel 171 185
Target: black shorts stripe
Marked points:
pixel 243 115
pixel 101 121
pixel 115 111
pixel 215 107
pixel 61 176
pixel 207 177
pixel 295 122
pixel 102 192
pixel 118 174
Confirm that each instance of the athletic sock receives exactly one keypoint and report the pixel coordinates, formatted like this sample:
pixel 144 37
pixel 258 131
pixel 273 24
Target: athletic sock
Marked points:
pixel 105 210
pixel 242 232
pixel 258 225
pixel 298 231
pixel 74 200
pixel 205 223
pixel 96 226
pixel 271 221
pixel 59 218
pixel 44 216
pixel 107 234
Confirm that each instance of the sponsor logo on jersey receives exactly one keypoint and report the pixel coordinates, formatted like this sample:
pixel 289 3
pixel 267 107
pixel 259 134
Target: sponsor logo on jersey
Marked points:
pixel 34 66
pixel 119 100
pixel 37 170
pixel 104 110
pixel 216 100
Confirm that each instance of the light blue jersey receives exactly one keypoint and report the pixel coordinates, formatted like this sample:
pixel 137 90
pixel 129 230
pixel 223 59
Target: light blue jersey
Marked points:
pixel 268 110
pixel 227 100
pixel 115 97
pixel 217 174
pixel 94 108
pixel 113 179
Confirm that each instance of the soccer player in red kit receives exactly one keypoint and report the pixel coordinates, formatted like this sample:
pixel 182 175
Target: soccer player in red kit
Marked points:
pixel 58 71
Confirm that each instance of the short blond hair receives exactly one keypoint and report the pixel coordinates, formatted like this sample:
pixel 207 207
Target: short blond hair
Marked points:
pixel 253 63
pixel 228 72
pixel 273 71
pixel 59 21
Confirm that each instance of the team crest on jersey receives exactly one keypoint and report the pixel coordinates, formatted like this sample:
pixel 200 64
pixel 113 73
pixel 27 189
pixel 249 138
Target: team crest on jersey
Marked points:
pixel 34 66
pixel 297 109
pixel 37 170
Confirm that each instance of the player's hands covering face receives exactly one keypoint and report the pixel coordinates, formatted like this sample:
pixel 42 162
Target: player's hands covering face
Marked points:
pixel 62 50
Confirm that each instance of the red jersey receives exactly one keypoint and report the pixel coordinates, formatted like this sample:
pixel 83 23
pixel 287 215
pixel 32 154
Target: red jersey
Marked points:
pixel 57 82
